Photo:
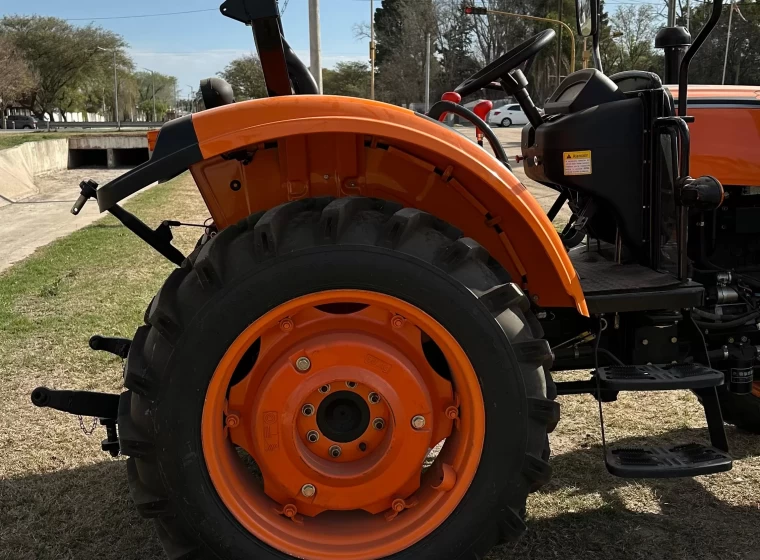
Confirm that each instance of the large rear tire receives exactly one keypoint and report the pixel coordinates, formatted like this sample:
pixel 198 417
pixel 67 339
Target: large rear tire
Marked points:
pixel 276 268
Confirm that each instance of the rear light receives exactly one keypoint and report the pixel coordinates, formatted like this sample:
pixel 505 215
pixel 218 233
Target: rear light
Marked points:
pixel 496 113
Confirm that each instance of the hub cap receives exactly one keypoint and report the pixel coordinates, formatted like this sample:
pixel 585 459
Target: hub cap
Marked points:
pixel 339 411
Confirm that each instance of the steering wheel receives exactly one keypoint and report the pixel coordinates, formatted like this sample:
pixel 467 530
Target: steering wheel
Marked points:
pixel 505 63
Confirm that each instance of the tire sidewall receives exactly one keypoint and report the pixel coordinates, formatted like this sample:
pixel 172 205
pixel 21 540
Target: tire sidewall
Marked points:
pixel 213 329
pixel 506 123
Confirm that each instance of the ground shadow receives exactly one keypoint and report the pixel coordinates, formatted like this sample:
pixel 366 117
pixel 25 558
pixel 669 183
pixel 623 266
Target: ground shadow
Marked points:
pixel 87 513
pixel 688 520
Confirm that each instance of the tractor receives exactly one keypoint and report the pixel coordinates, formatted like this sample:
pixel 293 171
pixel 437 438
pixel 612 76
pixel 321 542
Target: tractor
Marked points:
pixel 355 362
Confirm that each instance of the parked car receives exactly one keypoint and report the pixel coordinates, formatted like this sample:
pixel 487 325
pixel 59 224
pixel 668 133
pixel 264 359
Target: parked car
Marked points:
pixel 507 116
pixel 20 122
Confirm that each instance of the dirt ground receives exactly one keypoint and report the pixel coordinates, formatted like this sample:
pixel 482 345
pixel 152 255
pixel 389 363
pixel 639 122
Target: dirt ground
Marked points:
pixel 61 498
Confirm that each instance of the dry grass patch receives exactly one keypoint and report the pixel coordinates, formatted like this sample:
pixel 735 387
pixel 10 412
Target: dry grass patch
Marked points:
pixel 61 498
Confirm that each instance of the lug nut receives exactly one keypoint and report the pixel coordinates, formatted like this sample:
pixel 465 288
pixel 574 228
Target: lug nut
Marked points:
pixel 307 410
pixel 378 423
pixel 418 422
pixel 335 451
pixel 233 420
pixel 374 398
pixel 286 325
pixel 350 384
pixel 312 436
pixel 308 490
pixel 397 321
pixel 303 364
pixel 324 389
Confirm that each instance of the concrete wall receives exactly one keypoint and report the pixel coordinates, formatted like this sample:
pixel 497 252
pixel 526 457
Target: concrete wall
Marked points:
pixel 98 142
pixel 19 165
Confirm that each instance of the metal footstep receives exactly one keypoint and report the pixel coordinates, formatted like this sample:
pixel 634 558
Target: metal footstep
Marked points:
pixel 691 459
pixel 671 377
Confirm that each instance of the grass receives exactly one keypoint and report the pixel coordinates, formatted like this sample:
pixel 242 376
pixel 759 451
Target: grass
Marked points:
pixel 61 498
pixel 11 140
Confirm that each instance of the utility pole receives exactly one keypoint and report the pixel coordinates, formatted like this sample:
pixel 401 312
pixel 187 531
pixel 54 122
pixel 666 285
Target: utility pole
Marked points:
pixel 688 16
pixel 372 49
pixel 728 40
pixel 315 43
pixel 115 88
pixel 192 99
pixel 427 75
pixel 153 87
pixel 559 45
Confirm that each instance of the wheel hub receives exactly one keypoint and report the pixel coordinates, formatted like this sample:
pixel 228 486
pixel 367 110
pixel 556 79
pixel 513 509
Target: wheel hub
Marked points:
pixel 343 416
pixel 339 412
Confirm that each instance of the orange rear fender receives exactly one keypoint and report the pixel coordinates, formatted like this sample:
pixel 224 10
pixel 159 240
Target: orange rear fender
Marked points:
pixel 259 154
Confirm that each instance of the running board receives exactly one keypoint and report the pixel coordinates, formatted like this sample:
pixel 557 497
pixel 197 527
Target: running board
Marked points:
pixel 673 377
pixel 691 459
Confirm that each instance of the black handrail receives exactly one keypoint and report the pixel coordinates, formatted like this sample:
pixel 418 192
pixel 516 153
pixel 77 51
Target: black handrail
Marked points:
pixel 683 73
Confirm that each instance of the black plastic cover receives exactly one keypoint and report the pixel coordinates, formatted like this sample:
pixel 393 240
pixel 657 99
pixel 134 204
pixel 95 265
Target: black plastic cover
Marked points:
pixel 216 93
pixel 581 90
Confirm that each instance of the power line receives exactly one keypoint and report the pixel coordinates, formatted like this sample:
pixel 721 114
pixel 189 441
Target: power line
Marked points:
pixel 144 15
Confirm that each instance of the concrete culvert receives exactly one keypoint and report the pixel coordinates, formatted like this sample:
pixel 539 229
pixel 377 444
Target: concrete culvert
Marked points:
pixel 88 158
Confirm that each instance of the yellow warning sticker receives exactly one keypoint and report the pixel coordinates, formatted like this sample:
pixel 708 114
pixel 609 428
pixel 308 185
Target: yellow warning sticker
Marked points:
pixel 577 163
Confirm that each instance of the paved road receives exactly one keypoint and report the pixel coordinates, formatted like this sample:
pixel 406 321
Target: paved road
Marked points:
pixel 36 221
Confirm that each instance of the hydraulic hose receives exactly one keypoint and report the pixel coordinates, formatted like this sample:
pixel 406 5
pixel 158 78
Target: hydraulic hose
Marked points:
pixel 730 324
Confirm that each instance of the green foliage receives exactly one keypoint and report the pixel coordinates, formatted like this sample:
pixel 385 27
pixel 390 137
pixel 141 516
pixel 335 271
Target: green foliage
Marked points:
pixel 164 87
pixel 246 77
pixel 16 78
pixel 62 56
pixel 347 78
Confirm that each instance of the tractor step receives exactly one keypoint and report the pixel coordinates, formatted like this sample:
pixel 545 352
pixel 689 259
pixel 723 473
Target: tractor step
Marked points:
pixel 671 377
pixel 691 459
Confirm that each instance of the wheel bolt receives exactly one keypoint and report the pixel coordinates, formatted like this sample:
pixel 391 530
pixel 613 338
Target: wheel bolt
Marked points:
pixel 286 325
pixel 452 413
pixel 303 364
pixel 290 511
pixel 418 422
pixel 335 451
pixel 350 384
pixel 324 389
pixel 312 436
pixel 378 423
pixel 374 398
pixel 397 321
pixel 308 490
pixel 307 410
pixel 233 420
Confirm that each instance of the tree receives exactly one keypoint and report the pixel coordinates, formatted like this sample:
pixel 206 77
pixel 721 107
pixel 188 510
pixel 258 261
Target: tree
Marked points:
pixel 347 78
pixel 246 77
pixel 454 45
pixel 401 75
pixel 389 23
pixel 62 56
pixel 638 26
pixel 164 91
pixel 16 78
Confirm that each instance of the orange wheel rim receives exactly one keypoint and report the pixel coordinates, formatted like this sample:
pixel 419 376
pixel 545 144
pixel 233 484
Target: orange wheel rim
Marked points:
pixel 756 388
pixel 333 397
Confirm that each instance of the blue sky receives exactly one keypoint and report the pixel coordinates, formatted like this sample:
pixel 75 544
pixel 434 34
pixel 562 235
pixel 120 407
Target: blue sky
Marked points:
pixel 196 46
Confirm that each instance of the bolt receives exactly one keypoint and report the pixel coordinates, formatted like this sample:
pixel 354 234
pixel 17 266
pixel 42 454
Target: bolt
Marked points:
pixel 398 505
pixel 350 384
pixel 233 420
pixel 397 321
pixel 286 325
pixel 418 422
pixel 312 436
pixel 452 413
pixel 535 298
pixel 645 342
pixel 324 389
pixel 308 490
pixel 303 364
pixel 674 340
pixel 327 177
pixel 378 423
pixel 731 340
pixel 373 398
pixel 335 451
pixel 235 185
pixel 307 410
pixel 744 339
pixel 362 446
pixel 290 511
